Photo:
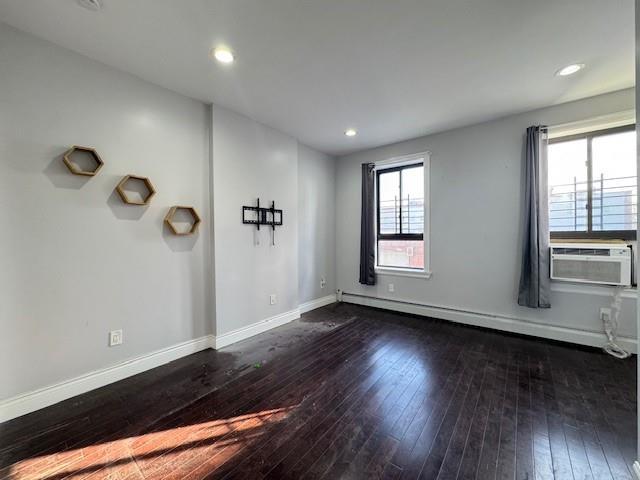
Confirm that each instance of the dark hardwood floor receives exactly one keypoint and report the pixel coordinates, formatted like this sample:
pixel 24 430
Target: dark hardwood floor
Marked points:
pixel 347 392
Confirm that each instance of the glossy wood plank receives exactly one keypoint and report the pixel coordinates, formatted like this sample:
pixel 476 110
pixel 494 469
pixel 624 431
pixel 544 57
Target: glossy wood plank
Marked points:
pixel 347 392
pixel 542 456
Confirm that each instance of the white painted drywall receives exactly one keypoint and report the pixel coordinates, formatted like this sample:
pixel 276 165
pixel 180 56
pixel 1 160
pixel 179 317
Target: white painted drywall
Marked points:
pixel 316 223
pixel 251 160
pixel 475 220
pixel 74 261
pixel 637 105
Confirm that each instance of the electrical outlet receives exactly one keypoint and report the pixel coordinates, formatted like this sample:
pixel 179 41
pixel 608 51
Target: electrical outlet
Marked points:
pixel 605 314
pixel 115 338
pixel 323 282
pixel 392 288
pixel 272 299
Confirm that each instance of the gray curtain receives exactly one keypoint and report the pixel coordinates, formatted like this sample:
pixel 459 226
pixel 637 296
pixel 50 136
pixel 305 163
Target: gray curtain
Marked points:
pixel 534 276
pixel 367 226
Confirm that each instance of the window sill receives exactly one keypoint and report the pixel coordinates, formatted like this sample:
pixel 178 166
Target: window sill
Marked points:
pixel 403 272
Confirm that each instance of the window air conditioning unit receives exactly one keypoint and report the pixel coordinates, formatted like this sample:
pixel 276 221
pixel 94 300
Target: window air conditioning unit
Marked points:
pixel 602 263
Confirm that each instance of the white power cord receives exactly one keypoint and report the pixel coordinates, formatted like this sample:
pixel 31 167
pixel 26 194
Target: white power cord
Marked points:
pixel 611 327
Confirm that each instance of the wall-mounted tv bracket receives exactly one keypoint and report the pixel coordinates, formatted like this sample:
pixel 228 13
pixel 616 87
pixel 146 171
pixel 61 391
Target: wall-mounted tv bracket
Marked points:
pixel 263 216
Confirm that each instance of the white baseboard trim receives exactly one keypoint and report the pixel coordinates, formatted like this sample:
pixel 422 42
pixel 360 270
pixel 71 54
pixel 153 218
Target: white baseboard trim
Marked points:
pixel 494 321
pixel 636 469
pixel 317 303
pixel 44 397
pixel 243 333
pixel 240 334
pixel 30 402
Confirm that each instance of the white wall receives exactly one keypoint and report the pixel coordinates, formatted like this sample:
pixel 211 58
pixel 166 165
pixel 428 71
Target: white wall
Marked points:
pixel 74 261
pixel 476 177
pixel 251 160
pixel 637 105
pixel 316 223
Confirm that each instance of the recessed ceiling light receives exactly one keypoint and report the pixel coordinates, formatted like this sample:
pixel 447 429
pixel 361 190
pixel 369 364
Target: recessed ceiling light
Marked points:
pixel 222 54
pixel 93 5
pixel 570 69
pixel 350 132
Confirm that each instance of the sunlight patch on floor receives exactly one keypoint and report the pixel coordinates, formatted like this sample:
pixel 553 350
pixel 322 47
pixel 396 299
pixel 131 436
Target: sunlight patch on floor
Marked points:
pixel 181 447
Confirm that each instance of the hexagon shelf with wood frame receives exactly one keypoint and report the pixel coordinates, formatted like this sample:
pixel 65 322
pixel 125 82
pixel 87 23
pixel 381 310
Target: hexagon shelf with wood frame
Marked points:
pixel 170 220
pixel 75 168
pixel 121 188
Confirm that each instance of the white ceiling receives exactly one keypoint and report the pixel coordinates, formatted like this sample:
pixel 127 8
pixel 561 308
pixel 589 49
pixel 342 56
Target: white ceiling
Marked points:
pixel 392 69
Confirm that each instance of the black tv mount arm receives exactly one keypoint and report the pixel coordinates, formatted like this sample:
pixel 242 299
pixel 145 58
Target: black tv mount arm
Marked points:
pixel 263 216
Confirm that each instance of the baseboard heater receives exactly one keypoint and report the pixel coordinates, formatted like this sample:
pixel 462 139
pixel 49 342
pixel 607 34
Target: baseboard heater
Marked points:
pixel 512 320
pixel 491 321
pixel 437 307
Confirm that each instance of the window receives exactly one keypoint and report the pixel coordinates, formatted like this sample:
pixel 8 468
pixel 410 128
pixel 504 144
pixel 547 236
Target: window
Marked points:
pixel 400 197
pixel 593 184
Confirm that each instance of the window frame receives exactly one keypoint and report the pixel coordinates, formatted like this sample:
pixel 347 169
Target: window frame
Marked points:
pixel 395 236
pixel 406 161
pixel 591 234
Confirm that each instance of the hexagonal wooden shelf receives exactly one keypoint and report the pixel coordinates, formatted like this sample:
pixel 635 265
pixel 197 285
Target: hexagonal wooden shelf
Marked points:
pixel 121 189
pixel 194 223
pixel 75 168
